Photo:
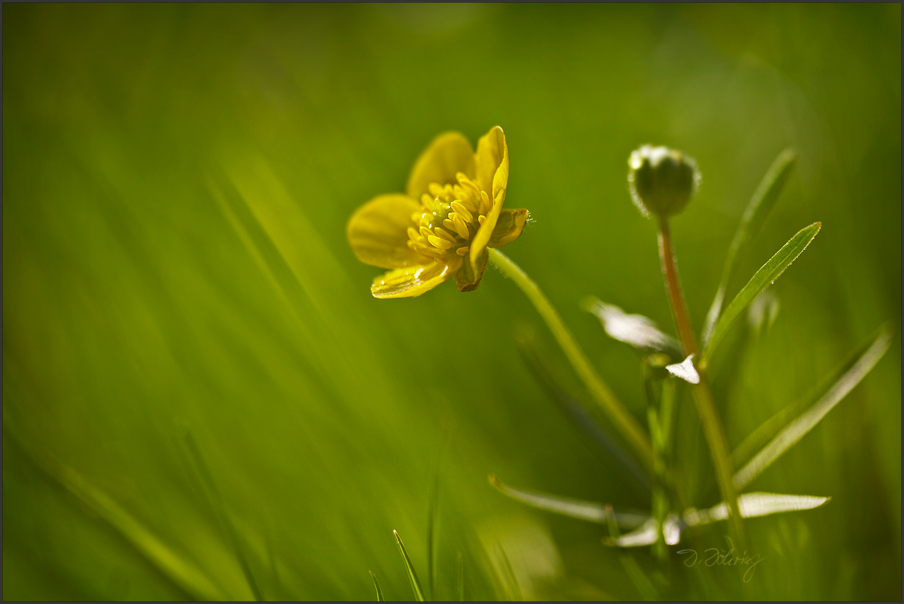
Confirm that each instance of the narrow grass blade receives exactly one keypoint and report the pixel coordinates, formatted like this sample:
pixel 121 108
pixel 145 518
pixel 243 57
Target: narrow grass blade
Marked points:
pixel 632 569
pixel 660 498
pixel 412 576
pixel 573 508
pixel 758 439
pixel 275 580
pixel 635 330
pixel 509 581
pixel 793 432
pixel 753 505
pixel 433 512
pixel 576 413
pixel 179 570
pixel 762 202
pixel 763 312
pixel 647 534
pixel 667 413
pixel 219 508
pixel 380 597
pixel 459 578
pixel 596 387
pixel 763 278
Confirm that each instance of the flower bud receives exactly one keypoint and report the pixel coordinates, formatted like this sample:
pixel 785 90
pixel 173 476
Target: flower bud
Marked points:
pixel 661 180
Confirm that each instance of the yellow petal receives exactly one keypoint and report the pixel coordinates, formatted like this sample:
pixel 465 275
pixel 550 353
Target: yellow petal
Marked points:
pixel 447 155
pixel 467 278
pixel 493 163
pixel 482 237
pixel 413 281
pixel 508 227
pixel 378 232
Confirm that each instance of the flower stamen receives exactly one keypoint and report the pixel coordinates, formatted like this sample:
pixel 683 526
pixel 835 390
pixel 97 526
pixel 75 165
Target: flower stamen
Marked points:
pixel 449 218
pixel 462 211
pixel 440 243
pixel 444 234
pixel 460 226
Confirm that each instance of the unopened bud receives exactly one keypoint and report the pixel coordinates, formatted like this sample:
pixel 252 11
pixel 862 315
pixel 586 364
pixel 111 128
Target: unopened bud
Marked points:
pixel 661 180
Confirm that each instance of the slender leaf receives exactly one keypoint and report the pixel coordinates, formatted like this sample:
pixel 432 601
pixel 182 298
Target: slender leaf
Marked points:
pixel 647 534
pixel 758 439
pixel 219 507
pixel 380 597
pixel 762 202
pixel 275 580
pixel 685 370
pixel 763 312
pixel 507 577
pixel 666 421
pixel 793 432
pixel 412 576
pixel 459 578
pixel 660 498
pixel 433 511
pixel 574 508
pixel 751 505
pixel 632 569
pixel 763 278
pixel 181 571
pixel 636 330
pixel 577 413
pixel 596 387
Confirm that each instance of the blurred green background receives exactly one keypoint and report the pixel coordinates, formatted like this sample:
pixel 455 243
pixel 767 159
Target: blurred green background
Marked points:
pixel 198 387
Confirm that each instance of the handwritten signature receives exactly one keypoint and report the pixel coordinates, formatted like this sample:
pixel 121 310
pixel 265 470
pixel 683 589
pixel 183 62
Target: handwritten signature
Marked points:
pixel 716 557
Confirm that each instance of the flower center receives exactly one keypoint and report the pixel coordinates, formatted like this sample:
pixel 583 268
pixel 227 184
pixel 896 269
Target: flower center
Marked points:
pixel 448 218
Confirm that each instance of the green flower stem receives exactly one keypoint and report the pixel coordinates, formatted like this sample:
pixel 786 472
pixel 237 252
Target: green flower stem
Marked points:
pixel 598 389
pixel 660 503
pixel 703 396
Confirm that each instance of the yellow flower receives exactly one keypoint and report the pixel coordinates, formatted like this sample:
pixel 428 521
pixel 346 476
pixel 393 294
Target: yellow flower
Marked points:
pixel 442 226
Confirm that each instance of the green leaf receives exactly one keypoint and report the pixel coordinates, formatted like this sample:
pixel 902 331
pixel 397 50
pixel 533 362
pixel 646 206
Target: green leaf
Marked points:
pixel 635 330
pixel 794 431
pixel 647 533
pixel 575 411
pixel 632 569
pixel 763 278
pixel 751 505
pixel 220 511
pixel 433 512
pixel 171 563
pixel 412 576
pixel 573 508
pixel 762 202
pixel 763 312
pixel 377 587
pixel 459 578
pixel 506 574
pixel 758 439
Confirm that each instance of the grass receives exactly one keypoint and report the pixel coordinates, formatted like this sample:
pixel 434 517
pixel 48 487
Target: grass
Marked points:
pixel 176 184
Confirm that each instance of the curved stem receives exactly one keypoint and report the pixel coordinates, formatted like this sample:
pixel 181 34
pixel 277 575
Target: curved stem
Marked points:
pixel 703 397
pixel 598 389
pixel 676 297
